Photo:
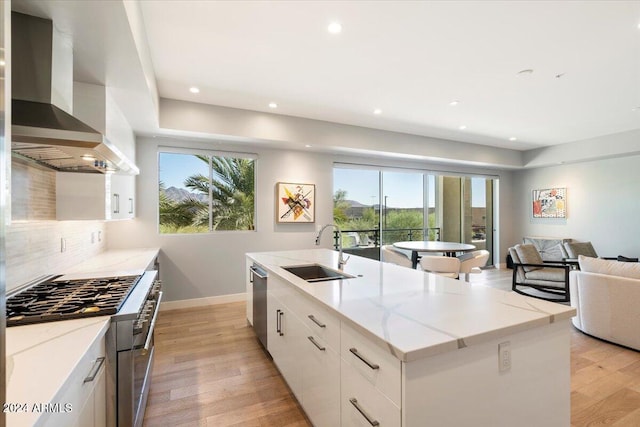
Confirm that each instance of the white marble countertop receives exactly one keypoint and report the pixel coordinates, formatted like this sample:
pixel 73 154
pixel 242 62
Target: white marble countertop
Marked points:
pixel 118 262
pixel 412 313
pixel 40 357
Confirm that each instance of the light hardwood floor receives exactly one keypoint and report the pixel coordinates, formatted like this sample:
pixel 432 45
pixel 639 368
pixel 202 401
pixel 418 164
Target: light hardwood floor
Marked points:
pixel 211 371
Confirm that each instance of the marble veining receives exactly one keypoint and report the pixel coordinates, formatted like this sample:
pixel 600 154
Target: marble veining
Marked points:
pixel 412 313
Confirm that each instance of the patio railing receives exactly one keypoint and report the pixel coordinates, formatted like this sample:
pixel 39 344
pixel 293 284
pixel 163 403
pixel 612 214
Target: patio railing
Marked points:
pixel 374 238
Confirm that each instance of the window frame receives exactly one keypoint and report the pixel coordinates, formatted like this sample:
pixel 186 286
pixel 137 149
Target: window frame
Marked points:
pixel 211 153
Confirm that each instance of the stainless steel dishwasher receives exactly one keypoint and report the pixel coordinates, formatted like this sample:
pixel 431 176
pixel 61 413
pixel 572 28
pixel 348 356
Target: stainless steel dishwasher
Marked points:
pixel 259 280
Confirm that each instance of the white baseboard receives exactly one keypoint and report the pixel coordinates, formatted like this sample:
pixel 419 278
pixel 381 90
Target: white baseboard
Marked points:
pixel 199 302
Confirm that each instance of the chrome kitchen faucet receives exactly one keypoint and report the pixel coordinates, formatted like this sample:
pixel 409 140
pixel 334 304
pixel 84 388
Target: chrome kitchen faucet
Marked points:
pixel 341 260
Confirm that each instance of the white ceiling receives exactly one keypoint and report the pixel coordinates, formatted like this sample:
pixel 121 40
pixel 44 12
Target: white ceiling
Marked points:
pixel 410 59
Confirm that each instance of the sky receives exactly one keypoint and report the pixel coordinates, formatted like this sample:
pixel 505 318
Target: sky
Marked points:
pixel 403 189
pixel 174 168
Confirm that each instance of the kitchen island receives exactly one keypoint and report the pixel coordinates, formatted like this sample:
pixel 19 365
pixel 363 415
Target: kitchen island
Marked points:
pixel 410 348
pixel 47 361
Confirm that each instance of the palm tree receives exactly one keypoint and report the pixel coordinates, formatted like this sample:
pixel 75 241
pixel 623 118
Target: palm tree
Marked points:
pixel 232 193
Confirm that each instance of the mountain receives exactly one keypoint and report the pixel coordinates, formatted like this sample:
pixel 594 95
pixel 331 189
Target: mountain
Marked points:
pixel 180 194
pixel 356 204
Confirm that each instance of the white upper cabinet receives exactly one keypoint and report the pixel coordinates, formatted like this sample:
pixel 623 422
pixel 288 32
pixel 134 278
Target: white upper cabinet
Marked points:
pixel 98 196
pixel 94 196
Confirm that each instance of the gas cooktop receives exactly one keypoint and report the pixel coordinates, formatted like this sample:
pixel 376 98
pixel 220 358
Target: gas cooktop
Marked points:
pixel 69 299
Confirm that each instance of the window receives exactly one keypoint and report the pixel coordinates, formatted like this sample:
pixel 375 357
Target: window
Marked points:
pixel 202 192
pixel 377 206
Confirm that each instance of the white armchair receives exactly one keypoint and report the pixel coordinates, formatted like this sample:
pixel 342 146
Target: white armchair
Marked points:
pixel 395 257
pixel 441 265
pixel 471 263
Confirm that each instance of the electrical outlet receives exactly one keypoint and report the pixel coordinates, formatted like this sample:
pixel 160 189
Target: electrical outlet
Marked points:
pixel 99 236
pixel 504 356
pixel 63 244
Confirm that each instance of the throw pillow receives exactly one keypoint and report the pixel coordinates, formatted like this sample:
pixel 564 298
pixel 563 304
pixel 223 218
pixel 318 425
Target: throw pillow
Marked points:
pixel 580 248
pixel 528 254
pixel 630 270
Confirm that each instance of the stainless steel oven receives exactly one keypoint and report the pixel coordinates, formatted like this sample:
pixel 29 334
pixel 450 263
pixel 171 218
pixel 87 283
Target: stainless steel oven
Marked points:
pixel 130 353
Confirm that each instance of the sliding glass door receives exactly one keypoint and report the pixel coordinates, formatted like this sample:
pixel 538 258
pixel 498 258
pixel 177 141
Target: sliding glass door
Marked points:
pixel 379 206
pixel 402 206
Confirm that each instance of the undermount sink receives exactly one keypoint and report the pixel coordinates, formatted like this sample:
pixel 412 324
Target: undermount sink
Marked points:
pixel 316 273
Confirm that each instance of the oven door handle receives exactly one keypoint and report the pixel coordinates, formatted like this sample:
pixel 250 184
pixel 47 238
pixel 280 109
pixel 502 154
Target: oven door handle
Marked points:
pixel 152 325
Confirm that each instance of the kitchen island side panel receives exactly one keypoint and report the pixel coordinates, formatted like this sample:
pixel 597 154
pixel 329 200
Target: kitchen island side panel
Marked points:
pixel 466 388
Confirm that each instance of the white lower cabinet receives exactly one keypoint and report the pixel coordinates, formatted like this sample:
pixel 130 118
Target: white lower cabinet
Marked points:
pixel 362 404
pixel 285 334
pixel 309 365
pixel 84 392
pixel 339 377
pixel 94 412
pixel 321 383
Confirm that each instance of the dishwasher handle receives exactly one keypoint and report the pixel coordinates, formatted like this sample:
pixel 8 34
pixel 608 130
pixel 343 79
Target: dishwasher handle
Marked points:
pixel 258 272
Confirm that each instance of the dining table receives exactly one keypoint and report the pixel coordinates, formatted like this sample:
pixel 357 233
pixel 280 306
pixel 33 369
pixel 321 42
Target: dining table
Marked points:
pixel 448 248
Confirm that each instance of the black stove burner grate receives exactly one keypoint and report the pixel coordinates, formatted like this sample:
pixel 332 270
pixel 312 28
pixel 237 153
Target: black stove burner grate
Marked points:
pixel 70 299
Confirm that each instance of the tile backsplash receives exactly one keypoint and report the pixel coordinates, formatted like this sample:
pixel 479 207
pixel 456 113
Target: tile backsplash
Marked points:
pixel 34 237
pixel 33 192
pixel 33 248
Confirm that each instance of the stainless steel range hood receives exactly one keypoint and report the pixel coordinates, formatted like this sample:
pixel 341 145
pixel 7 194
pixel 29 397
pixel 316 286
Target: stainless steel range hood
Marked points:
pixel 43 132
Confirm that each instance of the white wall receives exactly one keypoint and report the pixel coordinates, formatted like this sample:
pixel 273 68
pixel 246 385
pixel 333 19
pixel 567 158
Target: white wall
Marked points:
pixel 603 204
pixel 196 266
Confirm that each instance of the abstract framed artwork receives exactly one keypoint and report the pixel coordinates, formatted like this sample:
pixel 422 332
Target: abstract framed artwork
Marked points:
pixel 550 203
pixel 295 203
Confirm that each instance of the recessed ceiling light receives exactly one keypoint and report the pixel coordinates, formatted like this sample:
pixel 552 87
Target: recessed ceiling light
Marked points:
pixel 273 105
pixel 454 103
pixel 194 89
pixel 513 138
pixel 462 127
pixel 635 109
pixel 334 28
pixel 2 63
pixel 377 111
pixel 308 145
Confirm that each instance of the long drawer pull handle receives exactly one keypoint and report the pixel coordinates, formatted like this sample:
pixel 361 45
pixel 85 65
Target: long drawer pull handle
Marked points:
pixel 366 362
pixel 316 344
pixel 94 371
pixel 354 402
pixel 278 322
pixel 152 325
pixel 281 314
pixel 316 321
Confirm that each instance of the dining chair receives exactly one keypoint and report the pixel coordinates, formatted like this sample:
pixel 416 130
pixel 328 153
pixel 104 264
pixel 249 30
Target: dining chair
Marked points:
pixel 394 256
pixel 472 262
pixel 441 265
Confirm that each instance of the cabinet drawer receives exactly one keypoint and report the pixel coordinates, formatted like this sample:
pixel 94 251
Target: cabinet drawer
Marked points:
pixel 76 391
pixel 375 365
pixel 362 404
pixel 321 322
pixel 282 290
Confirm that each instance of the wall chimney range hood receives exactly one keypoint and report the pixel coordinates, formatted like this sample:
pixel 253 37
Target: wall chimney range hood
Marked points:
pixel 43 130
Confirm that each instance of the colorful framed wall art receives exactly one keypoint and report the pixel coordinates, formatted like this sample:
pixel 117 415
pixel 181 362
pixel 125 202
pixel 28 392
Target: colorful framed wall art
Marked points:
pixel 550 203
pixel 295 203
